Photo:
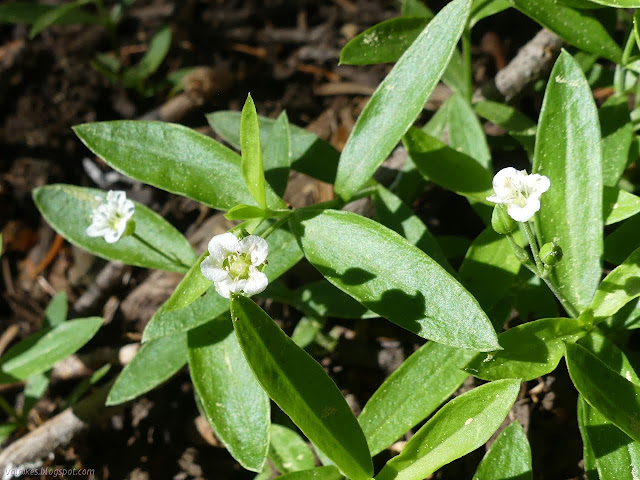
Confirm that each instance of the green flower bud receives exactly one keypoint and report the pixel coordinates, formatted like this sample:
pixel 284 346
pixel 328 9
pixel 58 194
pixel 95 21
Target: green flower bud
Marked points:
pixel 550 253
pixel 501 222
pixel 130 228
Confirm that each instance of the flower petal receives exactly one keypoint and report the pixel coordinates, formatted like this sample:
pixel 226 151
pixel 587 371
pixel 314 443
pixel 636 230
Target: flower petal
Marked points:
pixel 212 270
pixel 221 245
pixel 257 282
pixel 97 229
pixel 538 184
pixel 223 287
pixel 505 180
pixel 112 236
pixel 257 247
pixel 524 214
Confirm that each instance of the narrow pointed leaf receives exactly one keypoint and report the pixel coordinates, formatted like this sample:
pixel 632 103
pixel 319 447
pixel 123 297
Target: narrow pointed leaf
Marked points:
pixel 623 241
pixel 191 287
pixel 465 131
pixel 412 392
pixel 590 468
pixel 173 158
pixel 616 398
pixel 399 99
pixel 618 288
pixel 288 451
pixel 609 353
pixel 617 456
pixel 54 15
pixel 153 58
pixel 576 27
pixel 309 153
pixel 252 170
pixel 618 205
pixel 157 244
pixel 530 350
pixel 277 155
pixel 518 125
pixel 508 458
pixel 319 473
pixel 284 253
pixel 56 311
pixel 155 362
pixel 568 152
pixel 233 401
pixel 481 9
pixel 447 167
pixel 40 351
pixel 461 426
pixel 617 136
pixel 377 267
pixel 301 388
pixel 384 42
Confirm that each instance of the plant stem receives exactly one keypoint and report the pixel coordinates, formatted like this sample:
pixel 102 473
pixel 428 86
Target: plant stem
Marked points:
pixel 157 250
pixel 521 254
pixel 466 63
pixel 619 75
pixel 568 306
pixel 275 225
pixel 533 243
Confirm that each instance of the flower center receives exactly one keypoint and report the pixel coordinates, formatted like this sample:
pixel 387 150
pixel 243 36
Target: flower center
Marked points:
pixel 238 265
pixel 114 220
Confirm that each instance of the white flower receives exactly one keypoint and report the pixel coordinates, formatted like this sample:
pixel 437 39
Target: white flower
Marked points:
pixel 236 265
pixel 109 220
pixel 519 192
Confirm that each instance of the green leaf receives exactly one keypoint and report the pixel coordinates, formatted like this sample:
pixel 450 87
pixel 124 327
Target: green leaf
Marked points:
pixel 530 350
pixel 153 58
pixel 619 3
pixel 232 400
pixel 319 473
pixel 56 311
pixel 616 398
pixel 623 241
pixel 617 136
pixel 289 452
pixel 508 458
pixel 399 99
pixel 384 42
pixel 173 158
pixel 377 267
pixel 309 154
pixel 618 205
pixel 54 15
pixel 85 384
pixel 568 152
pixel 284 253
pixel 465 131
pixel 447 167
pixel 518 125
pixel 28 12
pixel 301 388
pixel 590 469
pixel 40 351
pixel 609 353
pixel 576 27
pixel 619 287
pixel 322 299
pixel 252 170
pixel 246 212
pixel 34 390
pixel 155 362
pixel 156 244
pixel 461 426
pixel 190 288
pixel 277 155
pixel 489 268
pixel 627 318
pixel 306 331
pixel 617 457
pixel 411 393
pixel 415 8
pixel 481 9
pixel 393 213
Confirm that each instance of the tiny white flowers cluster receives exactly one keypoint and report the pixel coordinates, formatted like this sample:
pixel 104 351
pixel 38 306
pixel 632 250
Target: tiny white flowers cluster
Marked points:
pixel 236 265
pixel 109 220
pixel 519 192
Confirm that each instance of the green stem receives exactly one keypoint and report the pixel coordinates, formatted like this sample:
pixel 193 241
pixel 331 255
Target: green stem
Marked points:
pixel 619 75
pixel 521 254
pixel 466 63
pixel 568 306
pixel 171 258
pixel 533 243
pixel 275 225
